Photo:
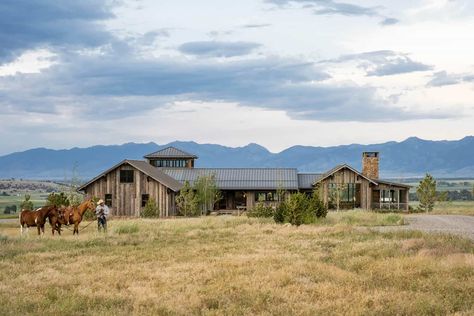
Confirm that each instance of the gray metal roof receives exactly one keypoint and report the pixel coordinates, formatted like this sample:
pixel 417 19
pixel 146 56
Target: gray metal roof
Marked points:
pixel 170 152
pixel 240 178
pixel 387 182
pixel 144 167
pixel 156 174
pixel 307 180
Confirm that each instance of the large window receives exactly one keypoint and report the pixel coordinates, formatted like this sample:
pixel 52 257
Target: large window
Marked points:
pixel 347 191
pixel 265 196
pixel 108 200
pixel 126 176
pixel 388 196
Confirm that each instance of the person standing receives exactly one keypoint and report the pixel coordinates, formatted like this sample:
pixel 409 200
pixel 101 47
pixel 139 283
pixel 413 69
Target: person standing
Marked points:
pixel 102 212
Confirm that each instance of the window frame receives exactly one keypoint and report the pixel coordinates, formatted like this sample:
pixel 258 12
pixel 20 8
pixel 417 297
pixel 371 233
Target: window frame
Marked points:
pixel 269 196
pixel 145 199
pixel 126 178
pixel 108 199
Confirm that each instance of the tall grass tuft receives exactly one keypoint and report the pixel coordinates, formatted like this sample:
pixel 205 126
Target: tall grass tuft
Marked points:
pixel 131 228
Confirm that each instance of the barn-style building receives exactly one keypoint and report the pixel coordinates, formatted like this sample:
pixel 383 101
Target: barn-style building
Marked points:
pixel 127 186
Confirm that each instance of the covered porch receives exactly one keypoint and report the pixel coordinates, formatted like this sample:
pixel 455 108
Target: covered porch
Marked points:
pixel 387 196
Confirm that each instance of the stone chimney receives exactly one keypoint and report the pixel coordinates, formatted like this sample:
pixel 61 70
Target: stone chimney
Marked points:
pixel 370 164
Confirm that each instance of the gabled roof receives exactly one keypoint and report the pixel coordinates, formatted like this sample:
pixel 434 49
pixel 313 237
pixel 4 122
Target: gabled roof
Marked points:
pixel 144 167
pixel 307 180
pixel 240 178
pixel 340 167
pixel 170 152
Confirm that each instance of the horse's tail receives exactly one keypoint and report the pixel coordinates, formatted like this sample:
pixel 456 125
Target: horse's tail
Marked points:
pixel 21 221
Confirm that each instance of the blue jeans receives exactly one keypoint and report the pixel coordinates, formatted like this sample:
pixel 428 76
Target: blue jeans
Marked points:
pixel 101 222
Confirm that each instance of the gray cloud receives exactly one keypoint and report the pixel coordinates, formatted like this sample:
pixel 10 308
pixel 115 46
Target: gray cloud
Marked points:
pixel 30 24
pixel 120 86
pixel 383 63
pixel 119 83
pixel 255 26
pixel 389 21
pixel 442 78
pixel 218 49
pixel 330 7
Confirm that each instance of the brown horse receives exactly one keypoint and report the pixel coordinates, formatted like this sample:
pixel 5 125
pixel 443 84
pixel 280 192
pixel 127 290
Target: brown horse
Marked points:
pixel 56 220
pixel 36 218
pixel 73 215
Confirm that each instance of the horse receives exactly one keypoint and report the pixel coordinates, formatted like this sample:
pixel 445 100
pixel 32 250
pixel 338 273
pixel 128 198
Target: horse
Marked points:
pixel 36 218
pixel 73 215
pixel 56 220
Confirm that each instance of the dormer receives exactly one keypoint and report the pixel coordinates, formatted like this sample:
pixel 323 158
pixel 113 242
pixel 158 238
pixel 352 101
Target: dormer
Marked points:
pixel 171 157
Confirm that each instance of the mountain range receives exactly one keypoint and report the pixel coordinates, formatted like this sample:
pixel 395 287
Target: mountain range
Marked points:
pixel 412 157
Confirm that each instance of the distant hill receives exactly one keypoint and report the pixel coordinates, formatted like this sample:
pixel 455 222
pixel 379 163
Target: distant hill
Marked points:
pixel 410 158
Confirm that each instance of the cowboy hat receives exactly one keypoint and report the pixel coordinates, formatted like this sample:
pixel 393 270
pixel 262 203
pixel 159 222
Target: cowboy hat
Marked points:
pixel 100 202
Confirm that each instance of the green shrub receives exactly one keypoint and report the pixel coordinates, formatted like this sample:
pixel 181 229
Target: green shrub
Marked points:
pixel 296 209
pixel 150 210
pixel 318 206
pixel 127 229
pixel 261 210
pixel 279 214
pixel 299 208
pixel 10 209
pixel 89 215
pixel 57 199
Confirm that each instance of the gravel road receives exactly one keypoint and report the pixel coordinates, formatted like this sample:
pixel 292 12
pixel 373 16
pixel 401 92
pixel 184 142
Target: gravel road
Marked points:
pixel 451 224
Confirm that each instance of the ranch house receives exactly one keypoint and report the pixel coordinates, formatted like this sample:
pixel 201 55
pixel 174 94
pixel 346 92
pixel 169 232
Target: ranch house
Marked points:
pixel 127 186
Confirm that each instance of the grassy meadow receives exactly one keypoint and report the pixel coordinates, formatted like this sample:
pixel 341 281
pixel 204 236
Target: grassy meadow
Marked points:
pixel 451 208
pixel 237 266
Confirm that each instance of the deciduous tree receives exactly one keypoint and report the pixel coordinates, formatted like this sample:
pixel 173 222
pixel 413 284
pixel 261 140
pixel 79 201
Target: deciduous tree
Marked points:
pixel 187 201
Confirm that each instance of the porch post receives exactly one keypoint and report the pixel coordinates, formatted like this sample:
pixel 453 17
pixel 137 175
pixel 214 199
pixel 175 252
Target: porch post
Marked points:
pixel 398 199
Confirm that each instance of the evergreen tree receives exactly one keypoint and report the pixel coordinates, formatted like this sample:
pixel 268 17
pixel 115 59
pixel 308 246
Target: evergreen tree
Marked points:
pixel 150 209
pixel 317 205
pixel 426 193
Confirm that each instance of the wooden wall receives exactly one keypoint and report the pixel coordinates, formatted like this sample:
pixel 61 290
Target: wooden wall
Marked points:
pixel 348 176
pixel 127 197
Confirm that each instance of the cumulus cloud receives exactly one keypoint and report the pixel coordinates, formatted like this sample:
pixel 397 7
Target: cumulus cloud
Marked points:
pixel 218 49
pixel 383 63
pixel 26 25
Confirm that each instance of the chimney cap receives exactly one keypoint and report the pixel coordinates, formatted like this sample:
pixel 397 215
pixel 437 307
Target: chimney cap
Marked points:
pixel 370 154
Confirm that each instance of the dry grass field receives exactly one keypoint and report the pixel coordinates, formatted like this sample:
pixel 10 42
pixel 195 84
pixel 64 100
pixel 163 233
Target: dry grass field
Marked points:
pixel 237 266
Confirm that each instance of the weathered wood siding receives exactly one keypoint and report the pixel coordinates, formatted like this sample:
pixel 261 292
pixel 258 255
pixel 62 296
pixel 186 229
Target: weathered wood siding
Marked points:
pixel 127 197
pixel 345 176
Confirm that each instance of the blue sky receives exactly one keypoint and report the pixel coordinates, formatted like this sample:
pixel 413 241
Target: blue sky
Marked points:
pixel 275 72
